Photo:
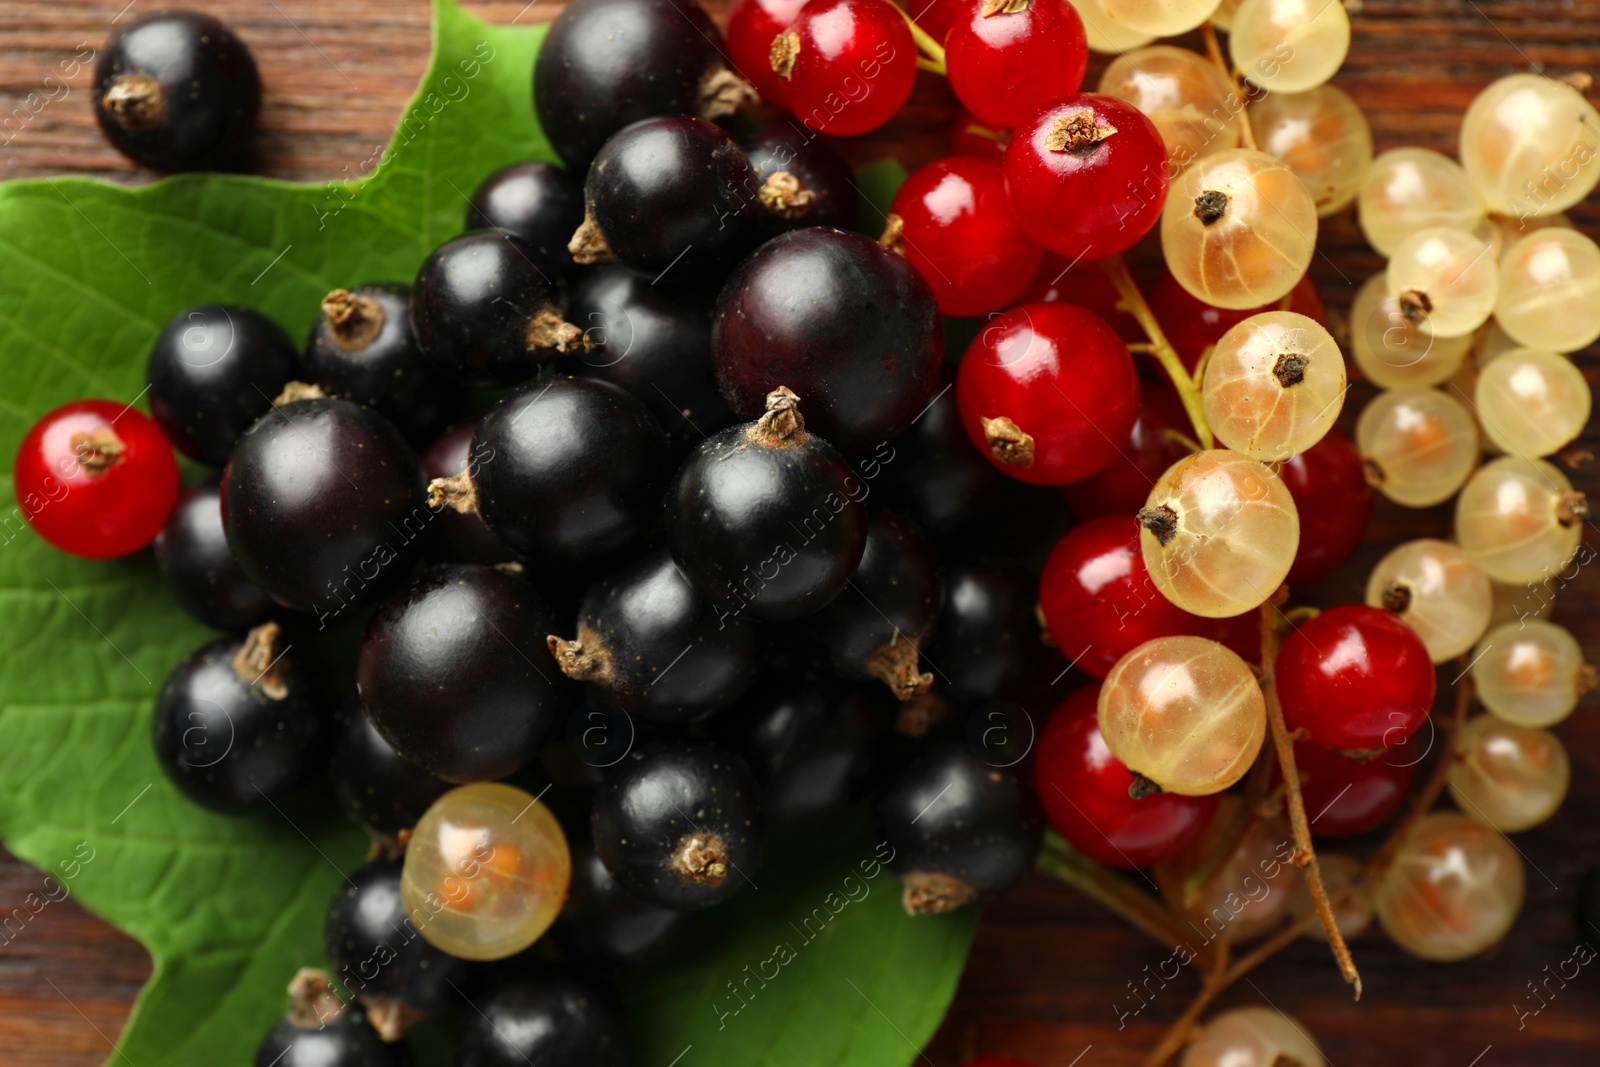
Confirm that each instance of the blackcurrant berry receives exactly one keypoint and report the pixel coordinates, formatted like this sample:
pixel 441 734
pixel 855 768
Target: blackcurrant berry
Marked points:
pixel 810 739
pixel 654 344
pixel 933 474
pixel 607 63
pixel 960 827
pixel 679 823
pixel 323 1031
pixel 200 572
pixel 538 202
pixel 379 955
pixel 324 505
pixel 550 1019
pixel 380 790
pixel 362 349
pixel 987 642
pixel 95 478
pixel 177 90
pixel 767 516
pixel 654 647
pixel 601 923
pixel 804 182
pixel 486 308
pixel 866 367
pixel 213 371
pixel 462 536
pixel 875 627
pixel 454 674
pixel 669 194
pixel 240 724
pixel 567 467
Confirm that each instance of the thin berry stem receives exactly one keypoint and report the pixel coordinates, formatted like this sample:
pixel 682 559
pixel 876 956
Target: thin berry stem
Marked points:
pixel 1305 854
pixel 1255 791
pixel 1133 300
pixel 932 58
pixel 932 67
pixel 1214 50
pixel 1138 909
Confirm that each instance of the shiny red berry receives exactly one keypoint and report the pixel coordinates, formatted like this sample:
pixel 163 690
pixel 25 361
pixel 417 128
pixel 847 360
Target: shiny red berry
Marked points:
pixel 96 478
pixel 1087 175
pixel 1345 796
pixel 752 24
pixel 1355 678
pixel 1123 486
pixel 957 231
pixel 1330 490
pixel 971 136
pixel 847 65
pixel 1192 325
pixel 936 16
pixel 1098 600
pixel 1084 792
pixel 1076 281
pixel 1007 60
pixel 1048 392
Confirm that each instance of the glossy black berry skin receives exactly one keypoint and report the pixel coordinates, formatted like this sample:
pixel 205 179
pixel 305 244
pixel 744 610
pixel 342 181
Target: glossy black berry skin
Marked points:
pixel 553 1019
pixel 960 827
pixel 828 187
pixel 238 739
pixel 607 63
pixel 650 644
pixel 766 523
pixel 347 1040
pixel 811 740
pixel 933 474
pixel 656 345
pixel 362 349
pixel 324 505
pixel 177 91
pixel 486 308
pixel 538 202
pixel 460 536
pixel 874 628
pixel 212 372
pixel 674 198
pixel 379 790
pixel 602 924
pixel 569 467
pixel 377 952
pixel 866 367
pixel 453 671
pixel 677 822
pixel 199 571
pixel 987 642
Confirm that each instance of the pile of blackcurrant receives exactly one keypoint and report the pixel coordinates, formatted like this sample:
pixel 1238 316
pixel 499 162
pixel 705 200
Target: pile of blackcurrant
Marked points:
pixel 656 488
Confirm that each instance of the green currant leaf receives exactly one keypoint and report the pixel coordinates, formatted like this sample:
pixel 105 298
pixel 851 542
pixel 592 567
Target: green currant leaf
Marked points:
pixel 229 908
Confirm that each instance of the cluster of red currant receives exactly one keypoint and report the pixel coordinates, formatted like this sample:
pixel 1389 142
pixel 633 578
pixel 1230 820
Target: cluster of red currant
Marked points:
pixel 593 489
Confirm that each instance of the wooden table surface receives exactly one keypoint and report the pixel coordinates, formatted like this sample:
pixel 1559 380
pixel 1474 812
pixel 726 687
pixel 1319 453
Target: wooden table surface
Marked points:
pixel 1048 968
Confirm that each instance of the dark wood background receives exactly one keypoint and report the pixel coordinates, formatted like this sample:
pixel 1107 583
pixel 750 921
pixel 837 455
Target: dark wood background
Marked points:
pixel 1047 967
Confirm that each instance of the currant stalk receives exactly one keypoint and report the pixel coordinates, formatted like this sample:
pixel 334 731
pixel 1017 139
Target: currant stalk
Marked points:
pixel 1135 303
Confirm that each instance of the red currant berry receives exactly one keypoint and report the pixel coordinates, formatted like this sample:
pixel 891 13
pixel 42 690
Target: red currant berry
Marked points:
pixel 1083 789
pixel 1007 59
pixel 957 231
pixel 1048 392
pixel 847 65
pixel 1098 600
pixel 752 24
pixel 971 136
pixel 1329 487
pixel 1087 175
pixel 937 16
pixel 1192 325
pixel 1239 634
pixel 1347 796
pixel 1122 487
pixel 96 478
pixel 1355 678
pixel 1068 281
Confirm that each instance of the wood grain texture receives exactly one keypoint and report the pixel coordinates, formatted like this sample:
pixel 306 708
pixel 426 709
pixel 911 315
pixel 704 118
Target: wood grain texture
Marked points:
pixel 1048 970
